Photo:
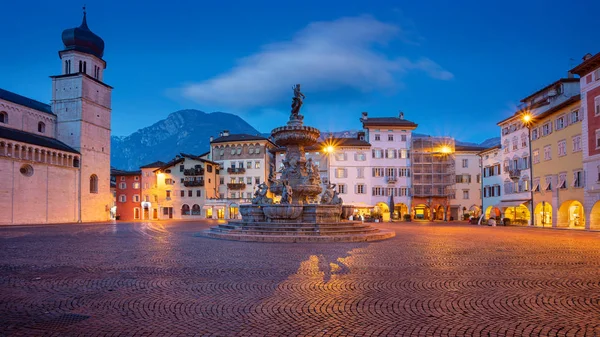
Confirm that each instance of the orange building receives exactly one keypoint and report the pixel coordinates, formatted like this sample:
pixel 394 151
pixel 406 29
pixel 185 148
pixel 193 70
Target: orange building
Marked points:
pixel 128 192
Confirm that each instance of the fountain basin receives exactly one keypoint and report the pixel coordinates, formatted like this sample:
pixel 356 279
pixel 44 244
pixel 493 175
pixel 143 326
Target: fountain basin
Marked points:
pixel 316 213
pixel 252 213
pixel 279 212
pixel 347 211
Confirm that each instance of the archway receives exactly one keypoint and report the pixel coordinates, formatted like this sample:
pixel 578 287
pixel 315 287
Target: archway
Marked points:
pixel 196 209
pixel 474 211
pixel 571 214
pixel 595 216
pixel 400 210
pixel 543 214
pixel 439 212
pixel 421 212
pixel 233 211
pixel 185 209
pixel 382 210
pixel 492 212
pixel 517 215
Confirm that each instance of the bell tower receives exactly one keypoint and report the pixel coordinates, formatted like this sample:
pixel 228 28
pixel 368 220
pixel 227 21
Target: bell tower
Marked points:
pixel 82 102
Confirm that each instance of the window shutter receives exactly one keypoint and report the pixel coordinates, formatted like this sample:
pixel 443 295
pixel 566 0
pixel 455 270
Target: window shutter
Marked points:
pixel 395 154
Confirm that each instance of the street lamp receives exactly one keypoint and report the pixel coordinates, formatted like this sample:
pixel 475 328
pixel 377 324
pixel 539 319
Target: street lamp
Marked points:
pixel 329 149
pixel 527 120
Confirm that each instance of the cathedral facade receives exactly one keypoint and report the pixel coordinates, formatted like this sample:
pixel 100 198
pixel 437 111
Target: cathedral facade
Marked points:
pixel 55 159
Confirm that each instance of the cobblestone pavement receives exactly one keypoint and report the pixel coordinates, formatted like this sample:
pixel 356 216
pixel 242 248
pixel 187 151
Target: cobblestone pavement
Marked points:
pixel 157 279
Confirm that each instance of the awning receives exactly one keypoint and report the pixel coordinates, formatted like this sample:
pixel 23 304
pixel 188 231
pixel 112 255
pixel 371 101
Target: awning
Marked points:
pixel 511 203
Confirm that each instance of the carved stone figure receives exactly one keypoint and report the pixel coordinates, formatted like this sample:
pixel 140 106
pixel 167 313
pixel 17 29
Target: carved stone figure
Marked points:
pixel 286 194
pixel 260 196
pixel 327 196
pixel 297 101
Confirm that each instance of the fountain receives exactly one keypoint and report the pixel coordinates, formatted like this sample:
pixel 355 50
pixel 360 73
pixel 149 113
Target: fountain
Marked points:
pixel 298 217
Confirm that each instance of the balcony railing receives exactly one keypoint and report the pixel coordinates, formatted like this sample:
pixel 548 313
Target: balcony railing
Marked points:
pixel 193 172
pixel 514 174
pixel 193 183
pixel 236 186
pixel 391 179
pixel 236 170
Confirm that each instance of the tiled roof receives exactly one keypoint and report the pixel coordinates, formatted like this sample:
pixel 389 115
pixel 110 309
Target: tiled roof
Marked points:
pixel 181 158
pixel 25 101
pixel 587 66
pixel 468 148
pixel 391 121
pixel 562 80
pixel 346 142
pixel 488 149
pixel 116 172
pixel 31 138
pixel 573 99
pixel 154 164
pixel 238 137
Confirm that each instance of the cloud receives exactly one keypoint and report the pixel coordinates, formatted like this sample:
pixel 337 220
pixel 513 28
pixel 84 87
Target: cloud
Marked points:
pixel 324 56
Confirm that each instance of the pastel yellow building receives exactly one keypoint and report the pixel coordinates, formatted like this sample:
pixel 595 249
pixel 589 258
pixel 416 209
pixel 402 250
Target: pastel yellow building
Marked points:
pixel 558 177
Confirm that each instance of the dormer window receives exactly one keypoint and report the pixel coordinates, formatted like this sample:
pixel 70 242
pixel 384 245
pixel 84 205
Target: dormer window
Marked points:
pixel 41 127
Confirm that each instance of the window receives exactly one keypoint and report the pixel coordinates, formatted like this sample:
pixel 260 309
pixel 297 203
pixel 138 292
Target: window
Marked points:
pixel 256 180
pixel 341 188
pixel 122 185
pixel 560 123
pixel 136 198
pixel 340 156
pixel 198 193
pixel 548 184
pixel 390 153
pixel 390 172
pixel 378 191
pixel 575 116
pixel 523 140
pixel 232 151
pixel 598 139
pixel 390 138
pixel 577 143
pixel 208 168
pixel 248 164
pixel 478 178
pixel 377 137
pixel 249 180
pixel 403 153
pixel 578 178
pixel 122 198
pixel 360 156
pixel 378 172
pixel 3 117
pixel 465 194
pixel 597 105
pixel 41 127
pixel 515 143
pixel 93 183
pixel 85 66
pixel 403 138
pixel 80 66
pixel 190 193
pixel 562 181
pixel 168 194
pixel 536 156
pixel 360 189
pixel 181 168
pixel 506 146
pixel 256 164
pixel 136 186
pixel 360 172
pixel 547 152
pixel 525 162
pixel 377 153
pixel 465 163
pixel 404 172
pixel 221 180
pixel 340 173
pixel 562 148
pixel 185 209
pixel 147 198
pixel 182 193
pixel 534 134
pixel 546 129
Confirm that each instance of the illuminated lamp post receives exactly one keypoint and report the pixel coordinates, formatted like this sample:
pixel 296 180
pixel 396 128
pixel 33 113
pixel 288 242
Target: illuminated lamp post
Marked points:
pixel 329 148
pixel 527 120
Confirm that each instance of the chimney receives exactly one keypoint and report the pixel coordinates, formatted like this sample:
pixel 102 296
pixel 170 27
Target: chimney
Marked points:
pixel 221 134
pixel 364 115
pixel 225 133
pixel 211 138
pixel 587 57
pixel 401 115
pixel 360 135
pixel 570 74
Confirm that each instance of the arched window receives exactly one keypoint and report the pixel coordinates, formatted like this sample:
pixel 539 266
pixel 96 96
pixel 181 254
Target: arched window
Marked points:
pixel 196 209
pixel 3 117
pixel 76 162
pixel 41 127
pixel 85 66
pixel 185 209
pixel 93 183
pixel 80 66
pixel 66 66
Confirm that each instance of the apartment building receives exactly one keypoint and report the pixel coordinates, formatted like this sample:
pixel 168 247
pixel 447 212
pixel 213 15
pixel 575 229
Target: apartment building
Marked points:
pixel 491 193
pixel 466 200
pixel 128 194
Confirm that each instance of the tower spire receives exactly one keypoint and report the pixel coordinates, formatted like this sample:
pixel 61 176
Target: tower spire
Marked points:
pixel 84 22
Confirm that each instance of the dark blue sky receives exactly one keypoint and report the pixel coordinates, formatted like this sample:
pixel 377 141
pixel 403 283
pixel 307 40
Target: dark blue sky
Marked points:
pixel 455 68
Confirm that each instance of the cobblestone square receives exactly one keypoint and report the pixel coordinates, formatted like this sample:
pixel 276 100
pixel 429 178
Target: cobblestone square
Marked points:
pixel 159 279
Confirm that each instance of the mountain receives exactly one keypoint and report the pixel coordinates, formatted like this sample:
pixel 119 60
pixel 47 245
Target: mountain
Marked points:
pixel 182 131
pixel 490 142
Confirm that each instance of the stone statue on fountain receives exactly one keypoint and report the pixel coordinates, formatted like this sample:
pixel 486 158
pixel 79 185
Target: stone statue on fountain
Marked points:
pixel 331 196
pixel 297 102
pixel 287 193
pixel 260 196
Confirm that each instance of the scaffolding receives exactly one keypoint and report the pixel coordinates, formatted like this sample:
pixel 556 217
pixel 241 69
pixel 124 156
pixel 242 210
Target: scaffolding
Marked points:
pixel 433 167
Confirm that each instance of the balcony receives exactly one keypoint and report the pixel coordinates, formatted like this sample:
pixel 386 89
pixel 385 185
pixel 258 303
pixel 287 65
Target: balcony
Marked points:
pixel 236 186
pixel 391 179
pixel 514 174
pixel 193 183
pixel 198 171
pixel 236 170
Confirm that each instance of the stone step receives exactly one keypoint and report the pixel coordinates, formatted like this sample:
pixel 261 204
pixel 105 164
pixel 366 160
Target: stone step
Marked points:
pixel 302 229
pixel 294 224
pixel 374 236
pixel 300 232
